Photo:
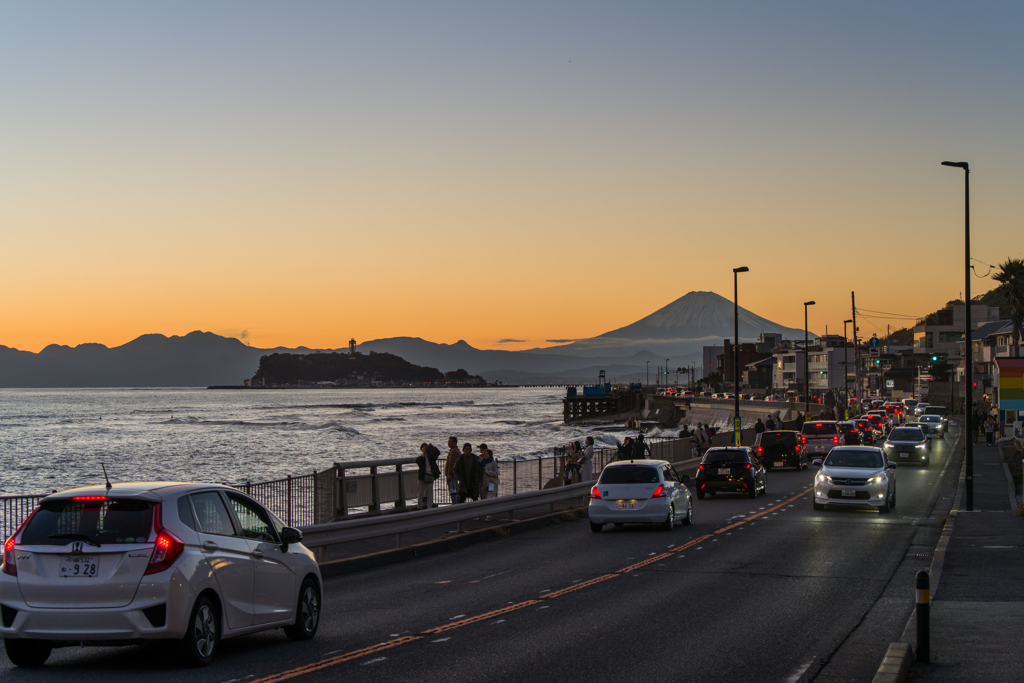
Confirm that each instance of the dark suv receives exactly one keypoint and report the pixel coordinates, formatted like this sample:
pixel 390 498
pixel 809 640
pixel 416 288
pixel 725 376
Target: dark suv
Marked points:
pixel 852 432
pixel 780 449
pixel 731 469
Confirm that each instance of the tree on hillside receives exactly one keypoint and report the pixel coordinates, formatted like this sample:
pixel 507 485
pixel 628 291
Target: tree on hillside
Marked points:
pixel 1011 284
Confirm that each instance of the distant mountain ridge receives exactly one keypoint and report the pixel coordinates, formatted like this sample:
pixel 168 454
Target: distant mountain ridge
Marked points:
pixel 676 332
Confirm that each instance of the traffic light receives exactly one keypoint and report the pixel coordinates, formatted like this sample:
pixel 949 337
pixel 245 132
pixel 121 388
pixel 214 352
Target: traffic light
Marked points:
pixel 878 361
pixel 935 359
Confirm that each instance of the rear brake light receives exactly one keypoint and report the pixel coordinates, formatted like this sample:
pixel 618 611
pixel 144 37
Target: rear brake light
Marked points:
pixel 9 566
pixel 835 439
pixel 594 493
pixel 90 498
pixel 167 547
pixel 659 492
pixel 747 466
pixel 818 424
pixel 700 466
pixel 760 450
pixel 803 439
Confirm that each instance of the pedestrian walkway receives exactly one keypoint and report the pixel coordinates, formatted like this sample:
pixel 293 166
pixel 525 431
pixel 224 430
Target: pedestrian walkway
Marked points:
pixel 977 608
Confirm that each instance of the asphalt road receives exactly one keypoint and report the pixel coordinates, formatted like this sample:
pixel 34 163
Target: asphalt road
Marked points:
pixel 759 589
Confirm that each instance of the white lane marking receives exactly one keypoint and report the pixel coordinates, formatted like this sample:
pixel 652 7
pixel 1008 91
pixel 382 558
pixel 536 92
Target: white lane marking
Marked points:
pixel 374 661
pixel 729 534
pixel 457 616
pixel 543 607
pixel 499 621
pixel 672 546
pixel 332 652
pixel 799 672
pixel 546 590
pixel 577 580
pixel 650 554
pixel 493 575
pixel 700 547
pixel 713 540
pixel 440 640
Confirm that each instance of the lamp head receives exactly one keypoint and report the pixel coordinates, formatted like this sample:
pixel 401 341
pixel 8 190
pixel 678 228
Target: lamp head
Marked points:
pixel 956 164
pixel 808 303
pixel 847 321
pixel 742 269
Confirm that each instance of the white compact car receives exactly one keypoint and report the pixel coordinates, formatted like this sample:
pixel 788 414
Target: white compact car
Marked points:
pixel 157 560
pixel 855 475
pixel 640 492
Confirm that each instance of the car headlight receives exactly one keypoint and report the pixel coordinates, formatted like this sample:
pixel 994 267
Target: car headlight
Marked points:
pixel 823 479
pixel 888 446
pixel 880 479
pixel 922 445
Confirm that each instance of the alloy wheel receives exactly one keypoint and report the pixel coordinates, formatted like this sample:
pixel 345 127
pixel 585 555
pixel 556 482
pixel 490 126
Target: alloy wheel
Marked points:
pixel 205 628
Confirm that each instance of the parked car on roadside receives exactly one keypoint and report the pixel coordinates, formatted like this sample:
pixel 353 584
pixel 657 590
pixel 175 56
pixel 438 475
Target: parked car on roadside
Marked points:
pixel 644 492
pixel 135 562
pixel 908 444
pixel 780 448
pixel 731 470
pixel 818 438
pixel 855 476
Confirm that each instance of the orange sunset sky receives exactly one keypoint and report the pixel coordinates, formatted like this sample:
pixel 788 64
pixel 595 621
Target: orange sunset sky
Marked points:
pixel 312 172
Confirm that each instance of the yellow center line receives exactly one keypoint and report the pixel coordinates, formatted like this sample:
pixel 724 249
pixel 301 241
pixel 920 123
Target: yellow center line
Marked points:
pixel 380 647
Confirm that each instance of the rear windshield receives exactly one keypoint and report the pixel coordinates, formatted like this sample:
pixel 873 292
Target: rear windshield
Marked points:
pixel 853 458
pixel 776 438
pixel 819 428
pixel 63 521
pixel 848 427
pixel 727 455
pixel 905 434
pixel 630 474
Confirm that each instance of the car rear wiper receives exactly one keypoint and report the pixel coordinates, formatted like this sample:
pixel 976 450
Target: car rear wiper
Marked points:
pixel 76 537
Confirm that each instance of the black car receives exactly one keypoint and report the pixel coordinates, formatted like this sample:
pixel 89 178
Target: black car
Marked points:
pixel 731 469
pixel 780 449
pixel 853 433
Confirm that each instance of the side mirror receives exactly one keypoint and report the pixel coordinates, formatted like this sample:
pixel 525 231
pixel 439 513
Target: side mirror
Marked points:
pixel 816 461
pixel 890 465
pixel 290 535
pixel 685 478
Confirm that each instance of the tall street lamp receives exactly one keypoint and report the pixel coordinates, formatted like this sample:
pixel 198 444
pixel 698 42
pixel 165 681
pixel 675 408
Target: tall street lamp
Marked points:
pixel 846 370
pixel 736 345
pixel 968 349
pixel 807 377
pixel 666 373
pixel 648 373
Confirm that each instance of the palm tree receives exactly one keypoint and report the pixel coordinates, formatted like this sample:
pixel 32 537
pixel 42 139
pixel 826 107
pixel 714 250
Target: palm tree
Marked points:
pixel 1011 284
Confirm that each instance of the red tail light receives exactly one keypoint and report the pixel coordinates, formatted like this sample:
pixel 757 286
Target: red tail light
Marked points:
pixel 747 466
pixel 659 492
pixel 803 439
pixel 594 493
pixel 760 450
pixel 166 549
pixel 9 566
pixel 80 498
pixel 817 424
pixel 700 466
pixel 835 439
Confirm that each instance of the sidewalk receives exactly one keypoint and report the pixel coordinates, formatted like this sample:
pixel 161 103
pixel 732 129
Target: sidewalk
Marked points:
pixel 977 609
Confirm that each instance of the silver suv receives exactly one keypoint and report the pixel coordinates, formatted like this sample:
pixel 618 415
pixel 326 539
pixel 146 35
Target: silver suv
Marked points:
pixel 157 560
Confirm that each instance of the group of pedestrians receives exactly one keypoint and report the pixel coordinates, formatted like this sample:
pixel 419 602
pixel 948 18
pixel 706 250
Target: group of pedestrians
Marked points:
pixel 579 462
pixel 700 436
pixel 469 475
pixel 984 424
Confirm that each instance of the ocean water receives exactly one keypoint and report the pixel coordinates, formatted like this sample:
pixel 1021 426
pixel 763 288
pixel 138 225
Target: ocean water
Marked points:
pixel 55 439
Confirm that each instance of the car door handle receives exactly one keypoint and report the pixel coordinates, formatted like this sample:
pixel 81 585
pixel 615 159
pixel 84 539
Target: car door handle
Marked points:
pixel 257 553
pixel 210 545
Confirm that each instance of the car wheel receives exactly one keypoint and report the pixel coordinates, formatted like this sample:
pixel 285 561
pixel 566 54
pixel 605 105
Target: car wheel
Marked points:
pixel 670 522
pixel 887 505
pixel 596 528
pixel 23 652
pixel 307 612
pixel 818 506
pixel 700 495
pixel 689 512
pixel 200 641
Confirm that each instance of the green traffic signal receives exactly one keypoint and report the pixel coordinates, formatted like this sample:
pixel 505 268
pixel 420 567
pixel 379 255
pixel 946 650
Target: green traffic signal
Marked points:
pixel 935 358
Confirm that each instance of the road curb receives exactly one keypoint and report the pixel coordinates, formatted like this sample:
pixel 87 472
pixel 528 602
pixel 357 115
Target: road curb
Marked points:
pixel 383 558
pixel 896 664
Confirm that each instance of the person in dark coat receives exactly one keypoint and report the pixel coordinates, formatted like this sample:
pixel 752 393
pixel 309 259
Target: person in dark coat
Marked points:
pixel 428 472
pixel 770 424
pixel 758 426
pixel 641 449
pixel 625 450
pixel 468 472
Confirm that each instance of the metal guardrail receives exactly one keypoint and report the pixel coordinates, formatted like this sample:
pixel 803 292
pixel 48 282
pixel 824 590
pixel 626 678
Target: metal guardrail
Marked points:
pixel 13 511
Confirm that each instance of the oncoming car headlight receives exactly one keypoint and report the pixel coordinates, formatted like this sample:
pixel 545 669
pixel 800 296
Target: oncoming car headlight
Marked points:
pixel 823 479
pixel 876 480
pixel 922 445
pixel 887 446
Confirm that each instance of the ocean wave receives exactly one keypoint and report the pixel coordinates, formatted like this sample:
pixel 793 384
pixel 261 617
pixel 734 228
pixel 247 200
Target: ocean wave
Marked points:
pixel 296 425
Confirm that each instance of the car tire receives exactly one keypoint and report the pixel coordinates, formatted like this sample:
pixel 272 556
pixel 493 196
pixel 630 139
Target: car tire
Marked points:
pixel 818 506
pixel 670 522
pixel 202 635
pixel 689 512
pixel 886 506
pixel 700 495
pixel 307 612
pixel 596 528
pixel 27 653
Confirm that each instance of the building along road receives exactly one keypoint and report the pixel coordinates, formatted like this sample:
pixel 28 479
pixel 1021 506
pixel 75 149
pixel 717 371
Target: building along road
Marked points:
pixel 761 589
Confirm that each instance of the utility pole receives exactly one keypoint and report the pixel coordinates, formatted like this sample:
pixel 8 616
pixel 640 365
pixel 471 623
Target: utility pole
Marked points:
pixel 856 346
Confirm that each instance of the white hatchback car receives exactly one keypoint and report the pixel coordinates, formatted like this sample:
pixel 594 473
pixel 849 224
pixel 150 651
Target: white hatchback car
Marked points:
pixel 640 492
pixel 855 475
pixel 157 560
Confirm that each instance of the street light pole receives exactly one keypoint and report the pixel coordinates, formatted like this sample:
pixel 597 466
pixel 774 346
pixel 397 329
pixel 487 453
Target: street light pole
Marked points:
pixel 807 376
pixel 968 348
pixel 846 370
pixel 737 425
pixel 648 373
pixel 666 373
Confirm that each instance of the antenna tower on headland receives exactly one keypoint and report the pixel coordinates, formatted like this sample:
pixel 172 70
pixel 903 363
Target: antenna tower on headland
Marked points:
pixel 352 346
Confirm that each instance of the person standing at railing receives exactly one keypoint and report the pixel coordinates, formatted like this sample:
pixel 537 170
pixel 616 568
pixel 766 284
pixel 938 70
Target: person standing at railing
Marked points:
pixel 491 473
pixel 641 449
pixel 468 474
pixel 625 449
pixel 429 471
pixel 587 461
pixel 449 469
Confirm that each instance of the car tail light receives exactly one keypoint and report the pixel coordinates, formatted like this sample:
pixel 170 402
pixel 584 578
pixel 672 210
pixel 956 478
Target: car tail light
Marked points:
pixel 818 424
pixel 659 492
pixel 167 547
pixel 835 439
pixel 803 439
pixel 700 466
pixel 87 498
pixel 9 566
pixel 594 493
pixel 747 466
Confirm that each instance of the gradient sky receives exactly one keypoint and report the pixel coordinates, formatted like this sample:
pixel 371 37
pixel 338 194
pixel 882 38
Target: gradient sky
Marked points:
pixel 313 171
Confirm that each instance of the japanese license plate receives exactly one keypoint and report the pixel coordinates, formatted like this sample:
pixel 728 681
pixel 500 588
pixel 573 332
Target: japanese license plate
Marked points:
pixel 724 470
pixel 904 454
pixel 627 504
pixel 78 566
pixel 778 464
pixel 849 493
